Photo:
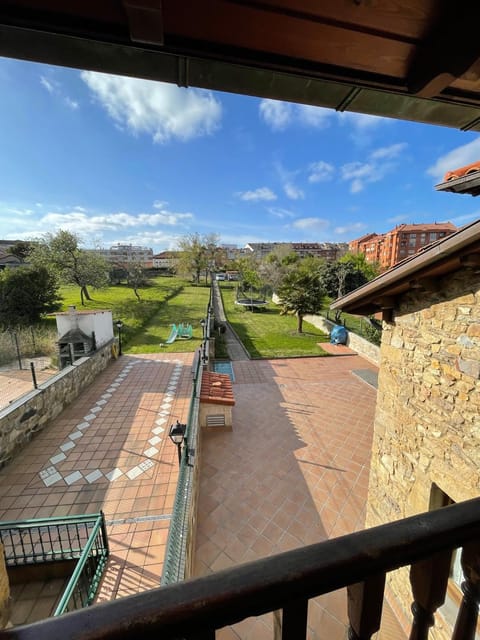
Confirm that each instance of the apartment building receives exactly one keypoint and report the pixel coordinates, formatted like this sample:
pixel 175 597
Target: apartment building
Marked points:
pixel 125 254
pixel 327 250
pixel 401 242
pixel 165 260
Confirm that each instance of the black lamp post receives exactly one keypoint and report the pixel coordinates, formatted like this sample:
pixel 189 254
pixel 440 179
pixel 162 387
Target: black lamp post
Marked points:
pixel 177 436
pixel 119 325
pixel 203 324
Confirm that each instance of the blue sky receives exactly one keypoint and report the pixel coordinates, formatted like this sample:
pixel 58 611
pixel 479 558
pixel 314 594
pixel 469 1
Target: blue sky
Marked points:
pixel 124 160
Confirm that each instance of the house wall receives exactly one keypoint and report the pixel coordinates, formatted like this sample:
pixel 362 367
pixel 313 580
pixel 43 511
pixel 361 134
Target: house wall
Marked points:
pixel 427 424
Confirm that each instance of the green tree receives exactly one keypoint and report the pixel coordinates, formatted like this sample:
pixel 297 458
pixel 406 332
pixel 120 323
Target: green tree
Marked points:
pixel 21 250
pixel 276 265
pixel 193 258
pixel 301 290
pixel 62 255
pixel 27 293
pixel 136 277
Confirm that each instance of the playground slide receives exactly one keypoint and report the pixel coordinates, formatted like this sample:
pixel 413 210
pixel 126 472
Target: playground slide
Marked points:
pixel 173 335
pixel 184 331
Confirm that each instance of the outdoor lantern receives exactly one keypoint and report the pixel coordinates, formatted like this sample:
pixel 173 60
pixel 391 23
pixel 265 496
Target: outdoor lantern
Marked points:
pixel 119 325
pixel 177 436
pixel 203 324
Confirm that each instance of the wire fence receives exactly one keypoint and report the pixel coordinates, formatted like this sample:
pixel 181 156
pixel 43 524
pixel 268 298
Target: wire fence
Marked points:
pixel 28 357
pixel 368 328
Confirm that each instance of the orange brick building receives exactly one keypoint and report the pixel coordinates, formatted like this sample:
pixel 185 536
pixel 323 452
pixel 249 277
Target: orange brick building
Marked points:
pixel 401 242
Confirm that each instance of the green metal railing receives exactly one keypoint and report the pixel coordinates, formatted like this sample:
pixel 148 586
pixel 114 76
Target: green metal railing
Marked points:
pixel 80 538
pixel 174 567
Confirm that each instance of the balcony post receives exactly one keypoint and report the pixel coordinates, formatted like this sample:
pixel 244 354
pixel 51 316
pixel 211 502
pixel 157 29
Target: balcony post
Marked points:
pixel 465 626
pixel 429 584
pixel 365 600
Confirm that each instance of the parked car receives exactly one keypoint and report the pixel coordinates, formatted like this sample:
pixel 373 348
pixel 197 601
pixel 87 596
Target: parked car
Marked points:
pixel 220 276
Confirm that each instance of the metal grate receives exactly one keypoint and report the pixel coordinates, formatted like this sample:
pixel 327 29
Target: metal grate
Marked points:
pixel 216 421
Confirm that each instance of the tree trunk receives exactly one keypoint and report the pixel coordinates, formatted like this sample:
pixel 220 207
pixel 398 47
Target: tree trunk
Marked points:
pixel 81 297
pixel 85 292
pixel 136 293
pixel 300 323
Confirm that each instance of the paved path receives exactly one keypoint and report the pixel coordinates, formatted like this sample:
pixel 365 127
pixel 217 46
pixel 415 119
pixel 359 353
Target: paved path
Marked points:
pixel 235 349
pixel 293 471
pixel 110 451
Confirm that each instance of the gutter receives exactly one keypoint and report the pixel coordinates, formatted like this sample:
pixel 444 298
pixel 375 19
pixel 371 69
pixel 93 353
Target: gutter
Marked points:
pixel 452 244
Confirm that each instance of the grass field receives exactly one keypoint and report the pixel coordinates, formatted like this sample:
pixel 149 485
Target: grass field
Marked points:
pixel 146 324
pixel 267 334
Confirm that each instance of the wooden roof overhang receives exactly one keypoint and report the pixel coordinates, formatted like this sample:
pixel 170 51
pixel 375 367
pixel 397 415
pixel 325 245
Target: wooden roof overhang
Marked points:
pixel 415 60
pixel 424 270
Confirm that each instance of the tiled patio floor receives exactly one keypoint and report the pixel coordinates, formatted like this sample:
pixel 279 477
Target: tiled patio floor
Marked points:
pixel 293 471
pixel 110 451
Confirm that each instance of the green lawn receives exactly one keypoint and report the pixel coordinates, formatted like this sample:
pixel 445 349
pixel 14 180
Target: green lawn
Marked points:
pixel 267 334
pixel 146 324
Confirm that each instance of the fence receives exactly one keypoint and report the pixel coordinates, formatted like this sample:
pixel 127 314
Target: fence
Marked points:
pixel 27 358
pixel 82 539
pixel 367 328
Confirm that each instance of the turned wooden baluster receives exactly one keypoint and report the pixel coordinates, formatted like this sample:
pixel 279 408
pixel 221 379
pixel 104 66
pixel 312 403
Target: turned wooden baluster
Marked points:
pixel 466 623
pixel 429 580
pixel 365 600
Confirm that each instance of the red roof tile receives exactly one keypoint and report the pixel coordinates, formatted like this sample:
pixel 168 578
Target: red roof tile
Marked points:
pixel 216 388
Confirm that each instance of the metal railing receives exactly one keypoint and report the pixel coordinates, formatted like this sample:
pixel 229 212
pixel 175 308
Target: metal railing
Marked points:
pixel 182 526
pixel 175 563
pixel 195 609
pixel 73 538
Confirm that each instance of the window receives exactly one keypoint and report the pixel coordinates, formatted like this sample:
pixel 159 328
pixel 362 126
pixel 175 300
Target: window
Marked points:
pixel 412 240
pixel 423 238
pixel 433 235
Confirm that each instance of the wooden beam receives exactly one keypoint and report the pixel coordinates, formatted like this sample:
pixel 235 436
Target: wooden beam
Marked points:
pixel 446 53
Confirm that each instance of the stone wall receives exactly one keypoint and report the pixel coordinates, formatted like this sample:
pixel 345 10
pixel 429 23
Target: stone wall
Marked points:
pixel 427 424
pixel 33 411
pixel 363 347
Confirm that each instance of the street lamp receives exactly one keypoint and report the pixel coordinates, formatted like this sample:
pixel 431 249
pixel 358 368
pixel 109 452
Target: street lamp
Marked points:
pixel 119 325
pixel 177 436
pixel 203 324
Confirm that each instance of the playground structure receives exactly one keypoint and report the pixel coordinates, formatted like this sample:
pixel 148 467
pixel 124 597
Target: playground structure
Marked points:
pixel 180 331
pixel 251 298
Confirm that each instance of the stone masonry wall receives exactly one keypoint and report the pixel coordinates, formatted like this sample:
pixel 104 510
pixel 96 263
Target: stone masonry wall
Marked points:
pixel 427 424
pixel 33 411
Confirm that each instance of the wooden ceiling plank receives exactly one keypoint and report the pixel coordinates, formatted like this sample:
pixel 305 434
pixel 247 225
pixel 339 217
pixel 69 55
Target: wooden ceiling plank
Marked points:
pixel 448 51
pixel 145 21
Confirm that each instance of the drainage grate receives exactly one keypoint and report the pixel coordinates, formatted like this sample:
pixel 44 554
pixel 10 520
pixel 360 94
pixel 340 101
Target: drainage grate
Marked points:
pixel 216 421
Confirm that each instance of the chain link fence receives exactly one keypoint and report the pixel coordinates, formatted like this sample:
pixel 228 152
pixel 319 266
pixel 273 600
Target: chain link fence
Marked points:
pixel 28 356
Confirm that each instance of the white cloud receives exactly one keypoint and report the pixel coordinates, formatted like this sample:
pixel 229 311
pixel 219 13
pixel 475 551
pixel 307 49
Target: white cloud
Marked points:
pixel 456 158
pixel 292 191
pixel 160 204
pixel 392 151
pixel 48 84
pixel 276 114
pixel 402 217
pixel 54 88
pixel 311 224
pixel 73 104
pixel 358 174
pixel 350 228
pixel 262 193
pixel 317 117
pixel 321 171
pixel 380 162
pixel 280 213
pixel 160 110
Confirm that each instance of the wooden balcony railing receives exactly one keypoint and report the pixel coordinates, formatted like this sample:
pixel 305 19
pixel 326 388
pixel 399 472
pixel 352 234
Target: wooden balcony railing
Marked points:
pixel 194 609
